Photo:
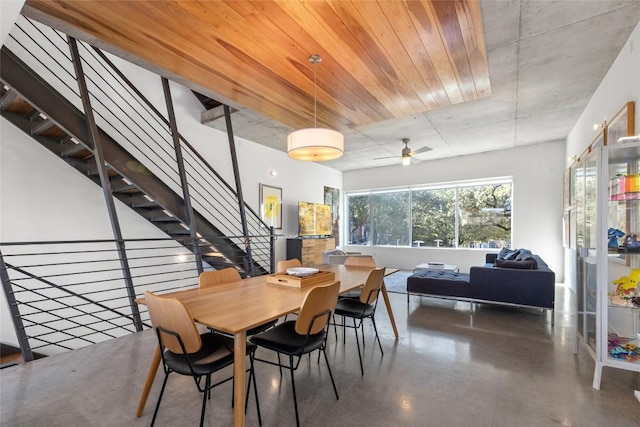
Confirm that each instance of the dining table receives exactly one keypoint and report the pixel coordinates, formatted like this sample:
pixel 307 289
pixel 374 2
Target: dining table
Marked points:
pixel 236 307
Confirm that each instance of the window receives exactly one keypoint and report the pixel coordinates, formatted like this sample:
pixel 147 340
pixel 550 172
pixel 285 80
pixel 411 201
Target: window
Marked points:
pixel 434 217
pixel 390 218
pixel 358 220
pixel 484 213
pixel 458 215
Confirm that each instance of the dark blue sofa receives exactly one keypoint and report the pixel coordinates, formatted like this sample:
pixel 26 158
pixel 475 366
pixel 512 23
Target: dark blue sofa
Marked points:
pixel 528 284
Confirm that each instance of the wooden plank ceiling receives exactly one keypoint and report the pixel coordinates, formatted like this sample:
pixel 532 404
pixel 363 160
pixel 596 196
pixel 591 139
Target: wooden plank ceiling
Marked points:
pixel 380 59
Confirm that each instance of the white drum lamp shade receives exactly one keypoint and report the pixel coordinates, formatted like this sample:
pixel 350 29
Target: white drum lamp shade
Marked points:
pixel 315 144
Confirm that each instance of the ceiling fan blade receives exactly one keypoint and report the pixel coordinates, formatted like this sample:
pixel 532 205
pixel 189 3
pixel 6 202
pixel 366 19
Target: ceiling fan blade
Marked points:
pixel 421 150
pixel 388 157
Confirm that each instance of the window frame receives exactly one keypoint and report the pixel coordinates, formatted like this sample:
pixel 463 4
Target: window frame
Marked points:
pixel 455 185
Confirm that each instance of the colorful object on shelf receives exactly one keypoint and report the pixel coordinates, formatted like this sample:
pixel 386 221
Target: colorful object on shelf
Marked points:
pixel 625 187
pixel 625 287
pixel 630 244
pixel 613 234
pixel 622 347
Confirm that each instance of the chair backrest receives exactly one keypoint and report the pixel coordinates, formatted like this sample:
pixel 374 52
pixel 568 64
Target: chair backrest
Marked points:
pixel 319 300
pixel 172 315
pixel 360 261
pixel 219 277
pixel 372 286
pixel 283 265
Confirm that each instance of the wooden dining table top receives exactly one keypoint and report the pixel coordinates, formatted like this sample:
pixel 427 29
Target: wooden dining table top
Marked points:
pixel 240 306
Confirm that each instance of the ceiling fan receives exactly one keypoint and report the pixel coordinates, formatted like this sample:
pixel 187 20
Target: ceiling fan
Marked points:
pixel 407 153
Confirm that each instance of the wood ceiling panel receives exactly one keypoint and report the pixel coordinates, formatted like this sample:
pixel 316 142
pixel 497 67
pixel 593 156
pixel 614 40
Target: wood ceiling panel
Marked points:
pixel 381 59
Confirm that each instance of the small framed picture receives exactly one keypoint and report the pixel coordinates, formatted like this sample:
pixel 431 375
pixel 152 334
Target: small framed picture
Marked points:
pixel 271 205
pixel 621 124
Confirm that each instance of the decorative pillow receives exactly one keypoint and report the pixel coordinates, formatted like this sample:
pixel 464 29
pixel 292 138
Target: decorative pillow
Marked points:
pixel 523 254
pixel 526 264
pixel 506 253
pixel 512 255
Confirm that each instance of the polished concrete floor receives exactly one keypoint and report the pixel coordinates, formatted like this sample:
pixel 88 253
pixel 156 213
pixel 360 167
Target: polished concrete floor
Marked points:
pixel 498 367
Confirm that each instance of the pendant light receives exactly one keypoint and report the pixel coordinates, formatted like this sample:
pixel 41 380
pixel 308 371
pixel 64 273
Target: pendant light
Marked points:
pixel 315 144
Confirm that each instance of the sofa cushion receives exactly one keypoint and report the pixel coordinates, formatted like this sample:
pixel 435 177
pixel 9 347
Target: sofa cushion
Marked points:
pixel 439 283
pixel 523 264
pixel 507 253
pixel 523 254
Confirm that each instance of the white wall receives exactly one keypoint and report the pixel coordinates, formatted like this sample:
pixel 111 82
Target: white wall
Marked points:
pixel 620 85
pixel 9 11
pixel 537 201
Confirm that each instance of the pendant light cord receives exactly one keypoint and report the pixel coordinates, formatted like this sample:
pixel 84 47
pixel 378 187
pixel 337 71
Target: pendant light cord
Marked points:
pixel 315 94
pixel 315 60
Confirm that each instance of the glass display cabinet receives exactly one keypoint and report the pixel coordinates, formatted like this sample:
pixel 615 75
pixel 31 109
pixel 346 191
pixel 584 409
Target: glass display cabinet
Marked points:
pixel 608 256
pixel 585 184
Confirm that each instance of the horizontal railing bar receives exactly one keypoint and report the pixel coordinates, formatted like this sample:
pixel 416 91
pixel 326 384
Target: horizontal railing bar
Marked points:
pixel 157 239
pixel 96 261
pixel 71 293
pixel 105 270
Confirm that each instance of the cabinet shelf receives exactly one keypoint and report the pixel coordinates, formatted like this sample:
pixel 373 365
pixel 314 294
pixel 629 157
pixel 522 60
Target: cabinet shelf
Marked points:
pixel 629 307
pixel 608 199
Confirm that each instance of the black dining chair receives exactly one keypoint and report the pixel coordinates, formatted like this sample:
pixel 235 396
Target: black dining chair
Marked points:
pixel 362 308
pixel 187 352
pixel 295 338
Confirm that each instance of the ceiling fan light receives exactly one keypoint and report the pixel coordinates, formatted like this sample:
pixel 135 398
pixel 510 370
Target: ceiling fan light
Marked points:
pixel 406 160
pixel 315 144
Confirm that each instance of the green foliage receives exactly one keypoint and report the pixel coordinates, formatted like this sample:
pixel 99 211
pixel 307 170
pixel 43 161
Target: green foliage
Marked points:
pixel 485 214
pixel 433 214
pixel 403 217
pixel 390 215
pixel 358 219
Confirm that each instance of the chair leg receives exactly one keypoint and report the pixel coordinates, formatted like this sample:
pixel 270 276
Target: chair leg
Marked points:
pixel 375 329
pixel 207 385
pixel 252 373
pixel 335 328
pixel 355 329
pixel 293 387
pixel 335 389
pixel 155 413
pixel 344 329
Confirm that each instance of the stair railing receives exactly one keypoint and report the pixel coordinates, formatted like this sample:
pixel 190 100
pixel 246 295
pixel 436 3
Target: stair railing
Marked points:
pixel 64 295
pixel 131 119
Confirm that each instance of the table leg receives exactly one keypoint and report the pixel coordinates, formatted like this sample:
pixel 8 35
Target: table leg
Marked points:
pixel 385 296
pixel 151 375
pixel 239 371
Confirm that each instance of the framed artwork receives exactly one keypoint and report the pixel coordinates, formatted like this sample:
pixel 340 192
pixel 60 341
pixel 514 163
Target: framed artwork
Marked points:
pixel 622 124
pixel 271 205
pixel 332 198
pixel 567 188
pixel 566 229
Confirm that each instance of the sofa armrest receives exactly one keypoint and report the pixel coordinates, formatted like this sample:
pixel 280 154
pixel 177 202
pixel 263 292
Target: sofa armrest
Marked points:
pixel 490 258
pixel 524 287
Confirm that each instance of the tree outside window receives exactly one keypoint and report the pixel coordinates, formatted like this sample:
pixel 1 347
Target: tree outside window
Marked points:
pixel 434 217
pixel 484 216
pixel 390 218
pixel 359 221
pixel 477 216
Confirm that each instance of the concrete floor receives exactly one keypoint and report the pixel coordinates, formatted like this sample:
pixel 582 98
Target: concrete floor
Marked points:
pixel 499 367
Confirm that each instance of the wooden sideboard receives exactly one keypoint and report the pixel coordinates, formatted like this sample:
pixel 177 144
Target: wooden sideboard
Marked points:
pixel 309 251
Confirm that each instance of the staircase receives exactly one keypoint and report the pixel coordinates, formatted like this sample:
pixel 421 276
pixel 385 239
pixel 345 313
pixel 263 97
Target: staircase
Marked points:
pixel 35 107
